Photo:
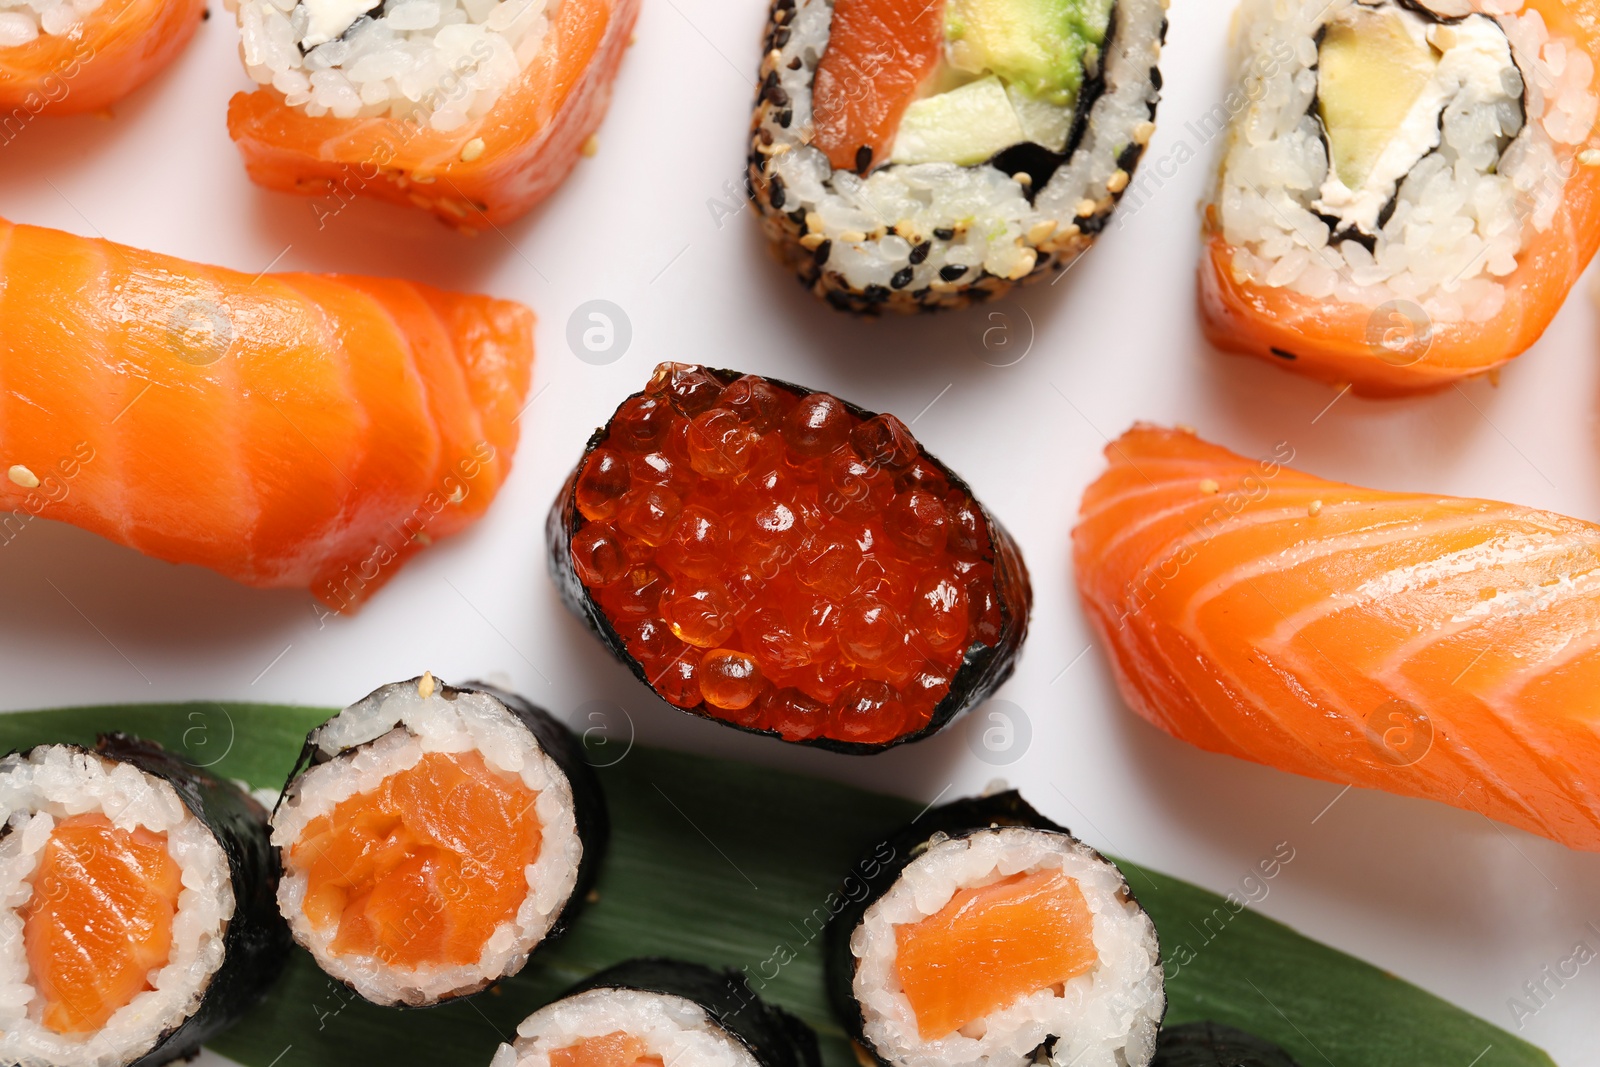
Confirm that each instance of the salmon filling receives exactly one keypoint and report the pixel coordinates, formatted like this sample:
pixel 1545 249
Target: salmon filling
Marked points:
pixel 612 1050
pixel 992 946
pixel 99 921
pixel 422 870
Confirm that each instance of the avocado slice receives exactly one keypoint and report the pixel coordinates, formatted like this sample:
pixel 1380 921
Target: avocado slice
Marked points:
pixel 1372 66
pixel 964 126
pixel 1037 47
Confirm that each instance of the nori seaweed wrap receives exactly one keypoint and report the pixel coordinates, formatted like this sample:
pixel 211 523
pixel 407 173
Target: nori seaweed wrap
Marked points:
pixel 785 562
pixel 1212 1044
pixel 179 857
pixel 984 927
pixel 681 1012
pixel 425 800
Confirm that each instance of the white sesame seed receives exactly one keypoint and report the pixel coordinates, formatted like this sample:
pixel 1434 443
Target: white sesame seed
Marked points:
pixel 23 476
pixel 590 146
pixel 472 150
pixel 1209 486
pixel 1316 506
pixel 426 686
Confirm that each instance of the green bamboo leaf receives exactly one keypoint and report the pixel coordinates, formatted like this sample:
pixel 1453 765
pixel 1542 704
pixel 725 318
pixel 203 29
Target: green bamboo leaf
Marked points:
pixel 733 865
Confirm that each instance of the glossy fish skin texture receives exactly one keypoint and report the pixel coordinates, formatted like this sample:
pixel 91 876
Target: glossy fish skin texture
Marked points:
pixel 1437 647
pixel 288 430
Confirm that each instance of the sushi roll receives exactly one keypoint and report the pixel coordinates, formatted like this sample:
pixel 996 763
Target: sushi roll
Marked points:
pixel 986 934
pixel 1408 188
pixel 469 109
pixel 70 57
pixel 650 1012
pixel 1209 1044
pixel 919 154
pixel 349 422
pixel 432 837
pixel 781 561
pixel 137 903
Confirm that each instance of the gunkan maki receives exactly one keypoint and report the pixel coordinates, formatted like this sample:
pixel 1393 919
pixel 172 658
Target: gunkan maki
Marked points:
pixel 433 836
pixel 658 1011
pixel 907 155
pixel 989 934
pixel 779 560
pixel 138 914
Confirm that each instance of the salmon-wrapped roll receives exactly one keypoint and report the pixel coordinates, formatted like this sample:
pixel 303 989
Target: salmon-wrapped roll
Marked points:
pixel 470 109
pixel 66 57
pixel 289 431
pixel 1408 188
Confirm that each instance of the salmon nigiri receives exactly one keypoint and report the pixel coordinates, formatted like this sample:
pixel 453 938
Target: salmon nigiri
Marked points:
pixel 473 112
pixel 288 430
pixel 1433 646
pixel 67 58
pixel 1408 189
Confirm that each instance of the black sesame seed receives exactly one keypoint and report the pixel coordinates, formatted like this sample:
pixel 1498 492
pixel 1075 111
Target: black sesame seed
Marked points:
pixel 795 64
pixel 863 159
pixel 945 234
pixel 951 271
pixel 875 294
pixel 1155 77
pixel 779 96
pixel 765 135
pixel 1164 24
pixel 776 195
pixel 785 117
pixel 781 38
pixel 1283 354
pixel 820 256
pixel 1130 156
pixel 1094 223
pixel 798 217
pixel 901 279
pixel 920 253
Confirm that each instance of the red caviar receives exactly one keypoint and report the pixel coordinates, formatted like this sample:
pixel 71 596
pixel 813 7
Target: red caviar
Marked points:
pixel 775 561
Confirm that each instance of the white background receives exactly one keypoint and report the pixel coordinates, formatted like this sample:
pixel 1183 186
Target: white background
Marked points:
pixel 1444 898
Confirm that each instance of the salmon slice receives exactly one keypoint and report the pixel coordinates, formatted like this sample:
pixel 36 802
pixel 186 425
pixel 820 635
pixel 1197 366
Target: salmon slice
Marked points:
pixel 294 430
pixel 421 871
pixel 118 47
pixel 992 946
pixel 521 149
pixel 1381 352
pixel 879 54
pixel 99 920
pixel 612 1050
pixel 1433 646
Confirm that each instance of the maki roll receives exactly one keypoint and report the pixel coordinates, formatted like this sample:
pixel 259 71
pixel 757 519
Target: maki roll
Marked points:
pixel 432 837
pixel 917 154
pixel 989 935
pixel 784 562
pixel 1209 1044
pixel 1408 188
pixel 72 57
pixel 136 903
pixel 469 109
pixel 655 1012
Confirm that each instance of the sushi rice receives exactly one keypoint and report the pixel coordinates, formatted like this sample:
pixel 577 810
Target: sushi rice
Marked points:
pixel 448 61
pixel 674 1028
pixel 1489 144
pixel 54 782
pixel 1107 1017
pixel 394 728
pixel 982 230
pixel 22 21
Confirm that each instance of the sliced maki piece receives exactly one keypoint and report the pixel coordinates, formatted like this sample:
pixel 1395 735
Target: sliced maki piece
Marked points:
pixel 917 154
pixel 433 836
pixel 988 934
pixel 1210 1044
pixel 654 1012
pixel 782 561
pixel 138 916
